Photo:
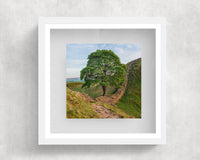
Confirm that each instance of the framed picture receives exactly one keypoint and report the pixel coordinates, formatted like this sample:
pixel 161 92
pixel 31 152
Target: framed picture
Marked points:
pixel 101 81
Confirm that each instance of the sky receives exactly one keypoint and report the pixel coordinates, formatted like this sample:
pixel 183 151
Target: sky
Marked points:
pixel 77 54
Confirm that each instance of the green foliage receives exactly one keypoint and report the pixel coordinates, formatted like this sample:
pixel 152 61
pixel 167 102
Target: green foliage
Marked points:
pixel 103 68
pixel 131 100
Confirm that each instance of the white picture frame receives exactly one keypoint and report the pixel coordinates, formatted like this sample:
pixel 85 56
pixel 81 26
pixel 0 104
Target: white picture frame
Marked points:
pixel 45 136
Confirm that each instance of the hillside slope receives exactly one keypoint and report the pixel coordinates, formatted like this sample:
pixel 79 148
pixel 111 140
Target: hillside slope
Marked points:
pixel 79 105
pixel 130 102
pixel 83 105
pixel 93 91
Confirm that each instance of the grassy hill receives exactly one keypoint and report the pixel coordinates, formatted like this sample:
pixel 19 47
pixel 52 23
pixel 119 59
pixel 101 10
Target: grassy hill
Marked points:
pixel 128 106
pixel 93 91
pixel 130 102
pixel 78 107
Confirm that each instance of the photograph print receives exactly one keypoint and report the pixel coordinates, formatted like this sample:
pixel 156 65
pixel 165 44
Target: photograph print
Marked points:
pixel 103 81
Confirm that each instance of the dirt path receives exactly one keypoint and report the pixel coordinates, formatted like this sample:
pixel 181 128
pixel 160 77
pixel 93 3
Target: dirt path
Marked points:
pixel 104 112
pixel 112 99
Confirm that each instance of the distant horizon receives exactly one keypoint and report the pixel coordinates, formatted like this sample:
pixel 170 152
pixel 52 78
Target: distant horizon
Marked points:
pixel 75 79
pixel 76 57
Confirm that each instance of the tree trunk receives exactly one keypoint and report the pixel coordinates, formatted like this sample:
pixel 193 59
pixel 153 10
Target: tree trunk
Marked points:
pixel 104 90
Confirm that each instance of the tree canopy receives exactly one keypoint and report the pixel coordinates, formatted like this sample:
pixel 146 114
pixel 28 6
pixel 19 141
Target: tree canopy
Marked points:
pixel 103 68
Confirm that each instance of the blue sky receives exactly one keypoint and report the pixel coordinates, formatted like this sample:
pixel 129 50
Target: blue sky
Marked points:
pixel 77 54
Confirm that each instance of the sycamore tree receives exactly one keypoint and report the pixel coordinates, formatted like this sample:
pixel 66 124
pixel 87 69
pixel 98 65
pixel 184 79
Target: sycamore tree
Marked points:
pixel 103 68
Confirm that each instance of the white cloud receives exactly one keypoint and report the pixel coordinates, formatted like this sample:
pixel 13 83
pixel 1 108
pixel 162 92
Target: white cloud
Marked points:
pixel 127 55
pixel 129 46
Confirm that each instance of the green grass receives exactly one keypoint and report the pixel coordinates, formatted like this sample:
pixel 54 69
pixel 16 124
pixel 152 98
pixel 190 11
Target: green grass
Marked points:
pixel 131 100
pixel 77 107
pixel 116 110
pixel 93 91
